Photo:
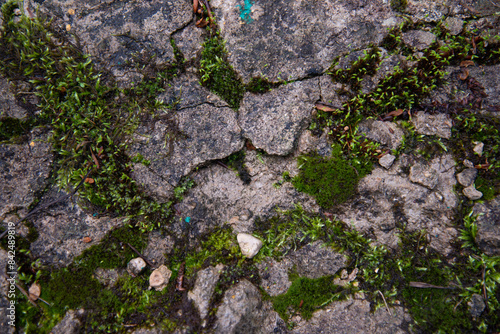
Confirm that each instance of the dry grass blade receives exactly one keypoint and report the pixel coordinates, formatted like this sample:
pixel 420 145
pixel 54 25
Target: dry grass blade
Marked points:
pixel 423 285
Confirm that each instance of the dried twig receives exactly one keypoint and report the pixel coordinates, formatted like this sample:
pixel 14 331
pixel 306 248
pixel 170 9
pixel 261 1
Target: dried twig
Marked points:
pixel 383 298
pixel 141 256
pixel 427 285
pixel 24 292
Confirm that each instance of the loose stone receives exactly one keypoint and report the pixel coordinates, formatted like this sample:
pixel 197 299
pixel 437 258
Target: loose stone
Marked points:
pixel 472 193
pixel 386 161
pixel 136 266
pixel 249 244
pixel 159 278
pixel 467 177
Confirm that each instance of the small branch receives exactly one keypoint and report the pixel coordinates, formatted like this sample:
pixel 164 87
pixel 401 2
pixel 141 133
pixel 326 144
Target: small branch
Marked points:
pixel 383 298
pixel 140 255
pixel 427 285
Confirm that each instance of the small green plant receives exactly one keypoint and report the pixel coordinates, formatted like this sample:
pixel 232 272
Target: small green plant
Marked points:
pixel 217 74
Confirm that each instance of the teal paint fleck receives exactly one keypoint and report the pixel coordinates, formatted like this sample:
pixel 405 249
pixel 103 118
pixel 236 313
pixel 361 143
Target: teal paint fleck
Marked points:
pixel 187 219
pixel 245 11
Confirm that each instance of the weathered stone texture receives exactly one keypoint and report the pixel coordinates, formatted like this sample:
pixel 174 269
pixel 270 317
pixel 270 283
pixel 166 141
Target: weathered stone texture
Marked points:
pixel 293 39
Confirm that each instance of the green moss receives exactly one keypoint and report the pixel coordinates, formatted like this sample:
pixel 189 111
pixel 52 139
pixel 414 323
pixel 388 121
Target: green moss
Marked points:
pixel 365 65
pixel 261 85
pixel 305 295
pixel 330 180
pixel 217 74
pixel 399 5
pixel 91 120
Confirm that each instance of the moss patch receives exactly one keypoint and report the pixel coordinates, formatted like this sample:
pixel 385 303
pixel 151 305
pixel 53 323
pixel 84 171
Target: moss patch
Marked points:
pixel 305 295
pixel 217 74
pixel 330 180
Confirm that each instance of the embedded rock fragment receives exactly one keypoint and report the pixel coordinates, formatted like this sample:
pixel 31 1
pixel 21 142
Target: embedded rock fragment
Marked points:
pixel 249 244
pixel 418 39
pixel 427 124
pixel 136 266
pixel 23 171
pixel 274 121
pixel 424 175
pixel 203 128
pixel 70 324
pixel 467 177
pixel 476 305
pixel 488 226
pixel 289 40
pixel 387 199
pixel 159 278
pixel 386 133
pixel 120 32
pixel 242 311
pixel 478 149
pixel 204 287
pixel 62 228
pixel 353 317
pixel 317 260
pixel 8 104
pixel 453 25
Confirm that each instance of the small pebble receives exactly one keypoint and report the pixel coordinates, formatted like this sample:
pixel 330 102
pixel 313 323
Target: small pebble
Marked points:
pixel 136 266
pixel 249 244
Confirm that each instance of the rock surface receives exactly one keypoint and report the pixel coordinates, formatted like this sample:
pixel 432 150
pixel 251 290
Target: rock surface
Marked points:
pixel 488 226
pixel 24 169
pixel 204 286
pixel 289 40
pixel 242 310
pixel 273 122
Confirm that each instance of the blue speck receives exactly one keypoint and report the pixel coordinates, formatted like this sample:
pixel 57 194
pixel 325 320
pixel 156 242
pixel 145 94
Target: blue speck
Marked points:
pixel 187 219
pixel 245 11
pixel 95 214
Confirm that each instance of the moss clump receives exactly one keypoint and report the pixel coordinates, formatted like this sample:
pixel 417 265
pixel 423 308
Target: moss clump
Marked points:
pixel 261 85
pixel 305 295
pixel 399 5
pixel 330 180
pixel 218 75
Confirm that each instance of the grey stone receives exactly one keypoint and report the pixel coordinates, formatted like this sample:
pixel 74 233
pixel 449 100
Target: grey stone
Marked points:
pixel 274 121
pixel 290 40
pixel 8 103
pixel 70 324
pixel 476 305
pixel 427 10
pixel 221 195
pixel 158 246
pixel 424 175
pixel 317 260
pixel 204 287
pixel 387 198
pixel 427 124
pixel 467 177
pixel 24 169
pixel 352 316
pixel 386 133
pixel 472 193
pixel 189 41
pixel 116 32
pixel 242 311
pixel 274 275
pixel 418 39
pixel 453 25
pixel 488 226
pixel 468 163
pixel 204 131
pixel 386 161
pixel 136 266
pixel 62 228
